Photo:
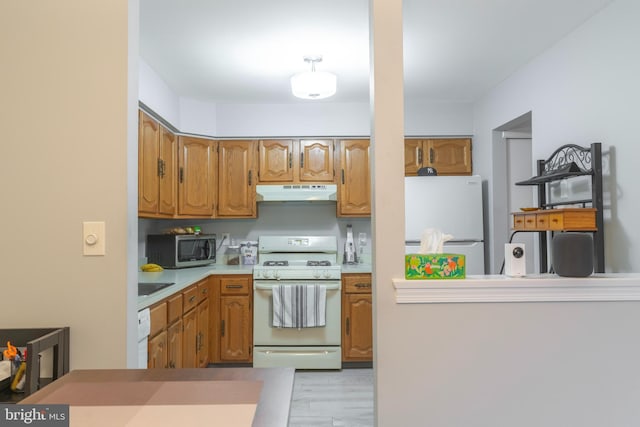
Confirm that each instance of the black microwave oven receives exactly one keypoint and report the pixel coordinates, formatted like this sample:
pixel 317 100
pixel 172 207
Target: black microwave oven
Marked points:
pixel 181 250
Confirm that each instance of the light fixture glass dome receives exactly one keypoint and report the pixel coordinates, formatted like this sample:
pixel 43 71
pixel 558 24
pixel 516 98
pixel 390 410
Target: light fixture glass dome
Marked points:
pixel 313 84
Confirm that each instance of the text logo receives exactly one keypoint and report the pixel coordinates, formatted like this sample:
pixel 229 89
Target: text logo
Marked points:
pixel 34 415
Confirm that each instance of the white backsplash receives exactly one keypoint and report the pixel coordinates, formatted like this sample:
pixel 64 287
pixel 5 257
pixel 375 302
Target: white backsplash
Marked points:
pixel 274 218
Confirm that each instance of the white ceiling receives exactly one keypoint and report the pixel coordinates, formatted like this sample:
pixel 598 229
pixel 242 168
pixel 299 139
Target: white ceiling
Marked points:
pixel 245 51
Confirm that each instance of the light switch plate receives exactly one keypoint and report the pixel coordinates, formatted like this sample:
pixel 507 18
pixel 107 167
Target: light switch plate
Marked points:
pixel 93 238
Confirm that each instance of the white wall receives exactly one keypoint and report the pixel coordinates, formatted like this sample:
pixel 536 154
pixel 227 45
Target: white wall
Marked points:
pixel 330 119
pixel 584 89
pixel 154 92
pixel 306 119
pixel 198 117
pixel 438 118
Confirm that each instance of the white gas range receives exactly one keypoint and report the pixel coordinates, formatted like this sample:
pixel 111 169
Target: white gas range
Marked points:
pixel 297 261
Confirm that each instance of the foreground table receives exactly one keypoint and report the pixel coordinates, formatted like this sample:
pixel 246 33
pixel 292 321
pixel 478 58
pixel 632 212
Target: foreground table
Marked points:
pixel 114 392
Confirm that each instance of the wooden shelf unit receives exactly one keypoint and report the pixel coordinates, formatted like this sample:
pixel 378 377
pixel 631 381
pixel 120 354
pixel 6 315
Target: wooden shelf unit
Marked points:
pixel 566 162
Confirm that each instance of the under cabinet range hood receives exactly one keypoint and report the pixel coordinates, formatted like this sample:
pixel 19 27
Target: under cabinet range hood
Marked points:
pixel 296 193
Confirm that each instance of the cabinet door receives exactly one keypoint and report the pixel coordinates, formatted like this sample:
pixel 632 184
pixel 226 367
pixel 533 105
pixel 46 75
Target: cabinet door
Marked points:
pixel 189 339
pixel 358 332
pixel 174 345
pixel 168 189
pixel 148 164
pixel 236 190
pixel 450 156
pixel 202 348
pixel 276 160
pixel 158 351
pixel 355 178
pixel 196 176
pixel 235 328
pixel 316 160
pixel 413 155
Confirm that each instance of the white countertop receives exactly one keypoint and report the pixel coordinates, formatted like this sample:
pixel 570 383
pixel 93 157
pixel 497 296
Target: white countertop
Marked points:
pixel 185 277
pixel 531 288
pixel 182 278
pixel 355 268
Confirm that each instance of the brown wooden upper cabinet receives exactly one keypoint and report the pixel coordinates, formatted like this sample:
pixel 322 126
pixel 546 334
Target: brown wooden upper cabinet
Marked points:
pixel 296 161
pixel 198 165
pixel 354 190
pixel 449 156
pixel 157 163
pixel 237 179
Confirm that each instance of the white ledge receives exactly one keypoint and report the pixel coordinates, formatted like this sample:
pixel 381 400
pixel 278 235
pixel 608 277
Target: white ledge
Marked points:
pixel 532 288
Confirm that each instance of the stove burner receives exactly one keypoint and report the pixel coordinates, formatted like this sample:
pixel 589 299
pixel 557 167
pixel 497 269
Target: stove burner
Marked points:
pixel 275 263
pixel 318 263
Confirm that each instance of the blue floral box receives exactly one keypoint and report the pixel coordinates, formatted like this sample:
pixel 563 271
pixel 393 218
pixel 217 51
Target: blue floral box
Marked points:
pixel 434 266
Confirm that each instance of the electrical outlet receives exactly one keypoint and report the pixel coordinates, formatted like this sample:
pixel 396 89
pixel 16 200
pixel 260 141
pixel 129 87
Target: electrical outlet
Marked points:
pixel 225 237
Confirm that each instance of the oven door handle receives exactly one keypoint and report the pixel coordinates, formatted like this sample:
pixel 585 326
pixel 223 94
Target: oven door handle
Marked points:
pixel 268 287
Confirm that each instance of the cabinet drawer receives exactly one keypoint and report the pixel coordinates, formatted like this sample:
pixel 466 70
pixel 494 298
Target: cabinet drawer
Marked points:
pixel 234 286
pixel 556 221
pixel 530 221
pixel 203 291
pixel 542 221
pixel 174 308
pixel 158 318
pixel 518 222
pixel 189 298
pixel 357 283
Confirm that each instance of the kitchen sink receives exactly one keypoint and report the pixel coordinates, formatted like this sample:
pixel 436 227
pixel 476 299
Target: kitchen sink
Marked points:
pixel 148 288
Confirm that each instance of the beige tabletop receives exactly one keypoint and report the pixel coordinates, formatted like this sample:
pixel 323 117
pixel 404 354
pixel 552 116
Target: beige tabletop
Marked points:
pixel 244 394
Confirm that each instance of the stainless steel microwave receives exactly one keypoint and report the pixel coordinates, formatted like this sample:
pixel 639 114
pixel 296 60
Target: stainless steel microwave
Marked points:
pixel 178 251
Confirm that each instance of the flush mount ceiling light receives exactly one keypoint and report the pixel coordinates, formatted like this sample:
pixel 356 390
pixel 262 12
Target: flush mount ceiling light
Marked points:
pixel 313 84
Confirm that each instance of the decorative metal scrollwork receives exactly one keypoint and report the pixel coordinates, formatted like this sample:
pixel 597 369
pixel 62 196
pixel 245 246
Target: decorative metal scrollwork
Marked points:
pixel 566 155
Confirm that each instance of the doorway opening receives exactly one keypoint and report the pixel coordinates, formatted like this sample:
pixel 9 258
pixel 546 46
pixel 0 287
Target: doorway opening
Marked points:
pixel 513 162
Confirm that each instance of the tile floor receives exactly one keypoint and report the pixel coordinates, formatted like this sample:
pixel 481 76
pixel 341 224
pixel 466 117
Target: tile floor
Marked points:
pixel 332 398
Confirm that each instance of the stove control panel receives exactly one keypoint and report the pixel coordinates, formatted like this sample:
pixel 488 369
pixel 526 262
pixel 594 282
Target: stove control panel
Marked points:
pixel 292 274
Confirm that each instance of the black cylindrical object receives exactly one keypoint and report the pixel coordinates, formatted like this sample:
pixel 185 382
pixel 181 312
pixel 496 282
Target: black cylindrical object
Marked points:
pixel 572 254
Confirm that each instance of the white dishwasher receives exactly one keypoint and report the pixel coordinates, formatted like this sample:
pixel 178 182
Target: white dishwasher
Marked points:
pixel 144 328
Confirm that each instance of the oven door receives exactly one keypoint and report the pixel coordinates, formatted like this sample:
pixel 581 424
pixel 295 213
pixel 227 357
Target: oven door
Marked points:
pixel 264 334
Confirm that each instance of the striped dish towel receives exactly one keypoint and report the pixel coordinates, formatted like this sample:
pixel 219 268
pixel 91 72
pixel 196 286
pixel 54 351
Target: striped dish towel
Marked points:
pixel 299 306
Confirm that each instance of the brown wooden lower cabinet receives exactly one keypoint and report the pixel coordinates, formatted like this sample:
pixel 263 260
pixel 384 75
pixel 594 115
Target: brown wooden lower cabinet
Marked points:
pixel 357 321
pixel 232 324
pixel 180 326
pixel 189 333
pixel 158 351
pixel 174 345
pixel 202 334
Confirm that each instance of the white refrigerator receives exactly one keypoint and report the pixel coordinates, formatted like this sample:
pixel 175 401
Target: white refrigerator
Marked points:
pixel 451 204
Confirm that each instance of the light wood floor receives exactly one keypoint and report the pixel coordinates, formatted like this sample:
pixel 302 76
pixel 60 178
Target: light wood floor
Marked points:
pixel 332 398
